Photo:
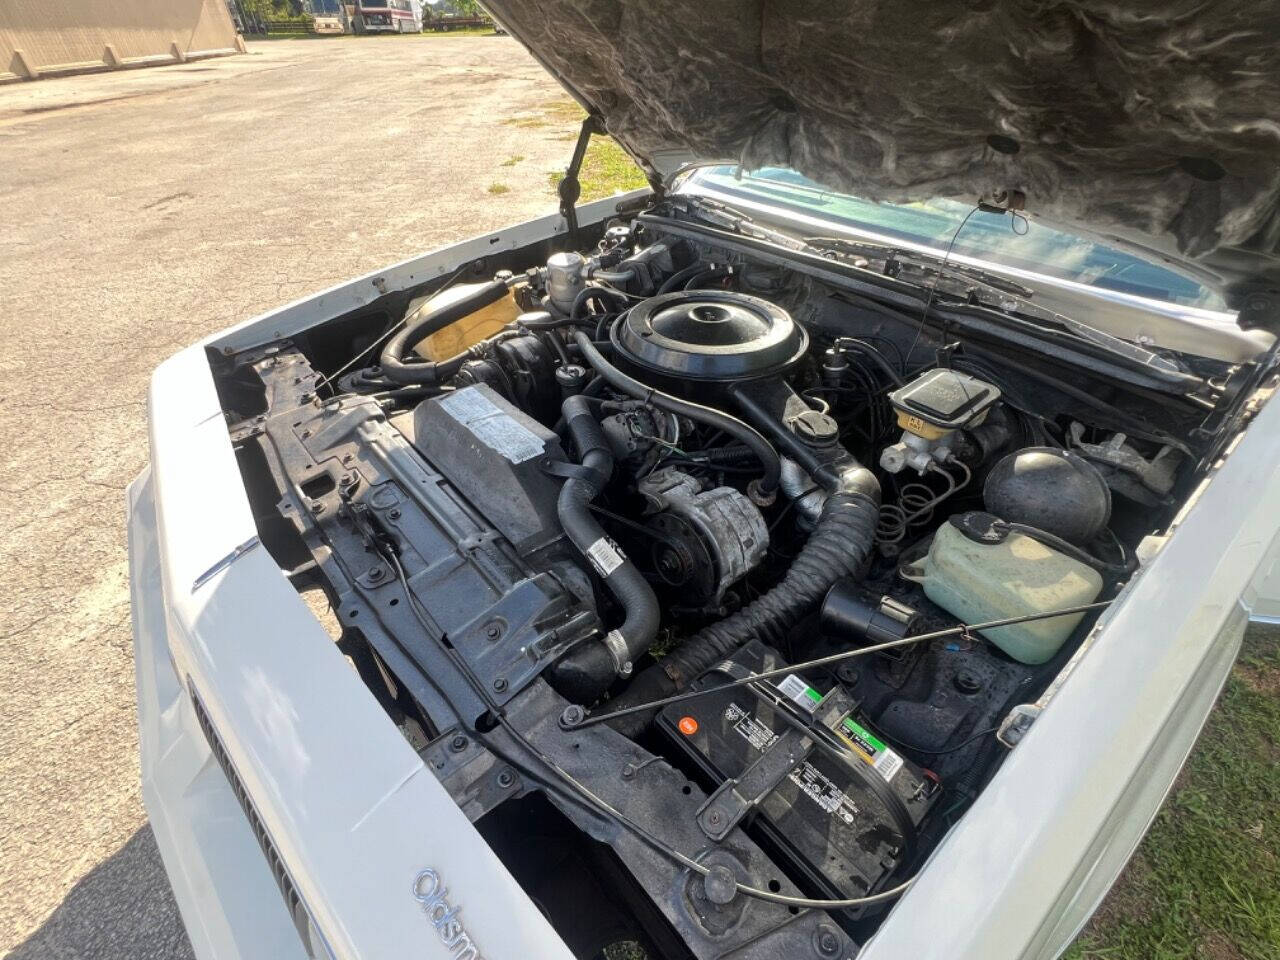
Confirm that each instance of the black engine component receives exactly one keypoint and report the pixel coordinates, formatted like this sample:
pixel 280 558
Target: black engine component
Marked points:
pixel 1052 490
pixel 399 544
pixel 943 398
pixel 633 433
pixel 845 817
pixel 839 546
pixel 846 615
pixel 685 341
pixel 522 369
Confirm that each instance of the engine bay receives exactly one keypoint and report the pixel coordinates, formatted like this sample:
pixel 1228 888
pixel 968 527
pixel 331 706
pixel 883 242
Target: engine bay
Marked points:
pixel 714 575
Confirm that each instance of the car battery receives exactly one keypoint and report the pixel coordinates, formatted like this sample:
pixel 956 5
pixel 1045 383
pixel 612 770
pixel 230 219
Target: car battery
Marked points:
pixel 845 818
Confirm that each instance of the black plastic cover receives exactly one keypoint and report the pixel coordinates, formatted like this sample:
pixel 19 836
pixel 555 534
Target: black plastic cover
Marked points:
pixel 710 335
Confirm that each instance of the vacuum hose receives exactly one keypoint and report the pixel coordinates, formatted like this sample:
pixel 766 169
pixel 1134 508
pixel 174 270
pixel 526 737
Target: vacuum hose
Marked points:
pixel 736 428
pixel 422 325
pixel 838 547
pixel 587 671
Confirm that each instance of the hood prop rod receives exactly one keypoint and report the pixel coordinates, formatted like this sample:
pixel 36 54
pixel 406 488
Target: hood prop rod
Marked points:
pixel 570 188
pixel 574 717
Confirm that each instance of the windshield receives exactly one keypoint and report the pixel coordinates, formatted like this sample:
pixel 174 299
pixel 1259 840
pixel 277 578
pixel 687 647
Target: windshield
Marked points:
pixel 989 237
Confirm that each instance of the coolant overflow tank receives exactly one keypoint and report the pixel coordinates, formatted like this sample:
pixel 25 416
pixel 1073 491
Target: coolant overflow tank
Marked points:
pixel 995 577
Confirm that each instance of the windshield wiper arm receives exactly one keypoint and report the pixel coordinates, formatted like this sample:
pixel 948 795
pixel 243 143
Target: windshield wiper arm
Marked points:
pixel 725 217
pixel 894 256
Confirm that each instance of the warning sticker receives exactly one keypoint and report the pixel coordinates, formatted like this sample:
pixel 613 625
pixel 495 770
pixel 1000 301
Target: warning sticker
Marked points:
pixel 496 430
pixel 605 556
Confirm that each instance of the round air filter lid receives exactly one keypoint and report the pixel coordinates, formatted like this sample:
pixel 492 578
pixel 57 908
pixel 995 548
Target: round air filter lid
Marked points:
pixel 710 335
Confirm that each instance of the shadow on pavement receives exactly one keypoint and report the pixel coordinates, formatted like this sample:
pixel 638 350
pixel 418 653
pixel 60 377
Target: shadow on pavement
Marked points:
pixel 122 909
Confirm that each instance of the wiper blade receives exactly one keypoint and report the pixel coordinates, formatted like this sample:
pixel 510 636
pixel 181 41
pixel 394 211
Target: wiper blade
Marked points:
pixel 725 217
pixel 894 257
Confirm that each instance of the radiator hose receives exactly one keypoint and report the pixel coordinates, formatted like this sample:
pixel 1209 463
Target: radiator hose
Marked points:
pixel 419 326
pixel 839 546
pixel 588 670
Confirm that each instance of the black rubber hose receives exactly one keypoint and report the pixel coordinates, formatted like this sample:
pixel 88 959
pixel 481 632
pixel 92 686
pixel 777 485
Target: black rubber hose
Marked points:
pixel 578 312
pixel 422 325
pixel 838 547
pixel 762 448
pixel 678 278
pixel 1055 542
pixel 589 670
pixel 698 279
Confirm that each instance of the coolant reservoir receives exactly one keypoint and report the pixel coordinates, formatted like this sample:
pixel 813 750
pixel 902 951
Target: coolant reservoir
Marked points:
pixel 468 331
pixel 979 576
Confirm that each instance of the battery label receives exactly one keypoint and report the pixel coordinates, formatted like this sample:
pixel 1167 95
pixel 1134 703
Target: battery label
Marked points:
pixel 866 744
pixel 815 784
pixel 872 749
pixel 796 689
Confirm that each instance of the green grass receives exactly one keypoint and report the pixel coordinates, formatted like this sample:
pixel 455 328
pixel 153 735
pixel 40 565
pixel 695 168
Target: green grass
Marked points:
pixel 466 32
pixel 497 189
pixel 1206 881
pixel 511 161
pixel 606 169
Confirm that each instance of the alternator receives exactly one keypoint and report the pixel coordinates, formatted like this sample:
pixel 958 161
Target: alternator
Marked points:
pixel 707 539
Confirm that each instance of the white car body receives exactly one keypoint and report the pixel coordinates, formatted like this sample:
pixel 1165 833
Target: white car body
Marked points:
pixel 351 817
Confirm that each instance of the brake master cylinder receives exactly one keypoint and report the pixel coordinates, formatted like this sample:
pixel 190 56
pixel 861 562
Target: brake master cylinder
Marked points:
pixel 930 410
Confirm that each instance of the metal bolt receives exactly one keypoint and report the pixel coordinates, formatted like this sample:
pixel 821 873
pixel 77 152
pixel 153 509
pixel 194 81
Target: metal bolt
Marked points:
pixel 572 716
pixel 968 682
pixel 317 507
pixel 376 574
pixel 505 779
pixel 847 673
pixel 458 743
pixel 827 941
pixel 348 458
pixel 394 514
pixel 499 684
pixel 714 818
pixel 493 630
pixel 628 772
pixel 719 885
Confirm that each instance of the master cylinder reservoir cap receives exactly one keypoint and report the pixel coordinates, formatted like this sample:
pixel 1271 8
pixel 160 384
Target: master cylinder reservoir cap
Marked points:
pixel 942 400
pixel 930 409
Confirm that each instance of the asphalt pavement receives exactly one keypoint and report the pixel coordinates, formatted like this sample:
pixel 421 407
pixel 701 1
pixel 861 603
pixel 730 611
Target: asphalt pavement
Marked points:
pixel 142 210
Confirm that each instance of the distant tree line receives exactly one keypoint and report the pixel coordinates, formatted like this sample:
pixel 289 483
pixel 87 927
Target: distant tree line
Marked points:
pixel 272 9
